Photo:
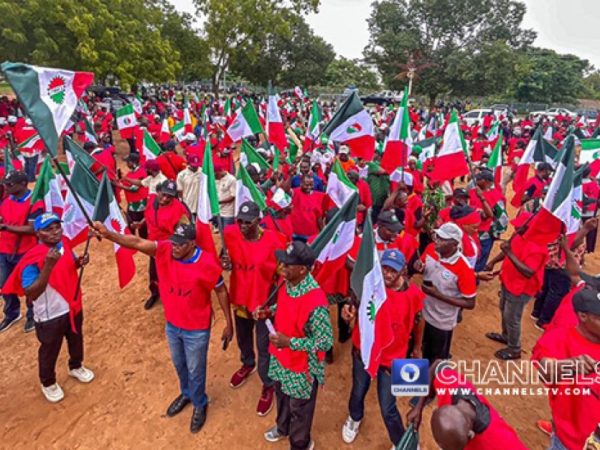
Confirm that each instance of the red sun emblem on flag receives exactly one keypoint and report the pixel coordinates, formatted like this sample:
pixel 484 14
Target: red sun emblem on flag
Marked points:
pixel 354 128
pixel 116 226
pixel 57 89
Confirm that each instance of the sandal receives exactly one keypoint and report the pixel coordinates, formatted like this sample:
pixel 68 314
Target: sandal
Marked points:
pixel 496 337
pixel 507 354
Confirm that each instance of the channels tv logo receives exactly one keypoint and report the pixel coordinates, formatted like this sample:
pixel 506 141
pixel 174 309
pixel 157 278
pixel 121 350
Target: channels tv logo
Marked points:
pixel 410 377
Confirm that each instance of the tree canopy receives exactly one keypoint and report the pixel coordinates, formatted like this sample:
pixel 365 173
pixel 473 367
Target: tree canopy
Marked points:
pixel 344 72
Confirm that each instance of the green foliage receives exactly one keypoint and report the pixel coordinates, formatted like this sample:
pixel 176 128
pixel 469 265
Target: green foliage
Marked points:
pixel 591 84
pixel 453 41
pixel 548 77
pixel 344 72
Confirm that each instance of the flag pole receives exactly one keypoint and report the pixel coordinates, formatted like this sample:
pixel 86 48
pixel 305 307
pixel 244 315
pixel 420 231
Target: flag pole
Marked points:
pixel 85 253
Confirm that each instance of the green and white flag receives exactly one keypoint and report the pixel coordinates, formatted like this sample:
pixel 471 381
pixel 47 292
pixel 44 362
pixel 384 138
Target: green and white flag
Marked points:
pixel 47 190
pixel 90 134
pixel 178 130
pixel 208 202
pixel 136 102
pixel 339 187
pixel 85 184
pixel 336 239
pixel 149 148
pixel 246 190
pixel 367 284
pixel 493 131
pixel 495 161
pixel 48 96
pixel 126 121
pixel 8 164
pixel 245 124
pixel 249 155
pixel 590 151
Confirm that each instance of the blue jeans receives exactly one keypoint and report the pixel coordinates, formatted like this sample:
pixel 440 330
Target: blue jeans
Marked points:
pixel 189 351
pixel 361 381
pixel 556 444
pixel 486 249
pixel 30 166
pixel 12 306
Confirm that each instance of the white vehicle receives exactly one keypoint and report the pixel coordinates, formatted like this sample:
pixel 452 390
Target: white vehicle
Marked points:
pixel 553 112
pixel 476 115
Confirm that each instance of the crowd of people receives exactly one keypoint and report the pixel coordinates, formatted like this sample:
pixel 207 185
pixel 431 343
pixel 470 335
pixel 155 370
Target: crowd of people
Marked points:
pixel 437 241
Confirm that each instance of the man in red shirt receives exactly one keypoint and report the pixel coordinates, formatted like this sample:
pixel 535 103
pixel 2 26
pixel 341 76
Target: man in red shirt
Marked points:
pixel 559 351
pixel 521 277
pixel 251 258
pixel 162 215
pixel 307 209
pixel 398 317
pixel 364 197
pixel 17 236
pixel 136 196
pixel 188 276
pixel 170 162
pixel 534 187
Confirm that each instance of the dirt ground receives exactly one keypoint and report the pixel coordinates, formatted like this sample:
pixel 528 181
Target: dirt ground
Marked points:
pixel 124 407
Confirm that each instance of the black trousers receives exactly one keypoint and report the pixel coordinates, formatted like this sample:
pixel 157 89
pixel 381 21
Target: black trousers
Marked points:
pixel 295 416
pixel 153 277
pixel 51 334
pixel 557 284
pixel 436 343
pixel 137 216
pixel 590 238
pixel 244 332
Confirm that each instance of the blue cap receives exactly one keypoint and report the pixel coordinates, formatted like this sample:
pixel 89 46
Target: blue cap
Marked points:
pixel 44 220
pixel 393 258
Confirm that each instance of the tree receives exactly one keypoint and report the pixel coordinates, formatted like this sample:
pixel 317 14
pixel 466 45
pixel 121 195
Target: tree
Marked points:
pixel 451 36
pixel 343 72
pixel 112 38
pixel 237 28
pixel 549 77
pixel 591 85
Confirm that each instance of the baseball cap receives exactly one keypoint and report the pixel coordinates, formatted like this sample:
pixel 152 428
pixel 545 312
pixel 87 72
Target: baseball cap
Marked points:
pixel 405 177
pixel 89 145
pixel 298 253
pixel 151 164
pixel 449 231
pixel 132 157
pixel 393 258
pixel 189 137
pixel 248 211
pixel 171 144
pixel 389 220
pixel 344 149
pixel 544 166
pixel 587 301
pixel 485 175
pixel 194 161
pixel 44 220
pixel 169 187
pixel 12 119
pixel 15 177
pixel 460 192
pixel 184 232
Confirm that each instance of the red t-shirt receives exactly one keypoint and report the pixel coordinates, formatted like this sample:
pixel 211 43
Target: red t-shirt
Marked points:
pixel 163 220
pixel 492 197
pixel 534 256
pixel 306 211
pixel 364 198
pixel 186 286
pixel 171 164
pixel 254 266
pixel 574 416
pixel 142 192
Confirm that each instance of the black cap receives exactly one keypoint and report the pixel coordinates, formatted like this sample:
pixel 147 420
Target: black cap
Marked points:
pixel 389 220
pixel 15 177
pixel 89 145
pixel 587 301
pixel 486 175
pixel 544 166
pixel 248 211
pixel 459 211
pixel 298 253
pixel 132 157
pixel 184 232
pixel 460 192
pixel 171 145
pixel 169 187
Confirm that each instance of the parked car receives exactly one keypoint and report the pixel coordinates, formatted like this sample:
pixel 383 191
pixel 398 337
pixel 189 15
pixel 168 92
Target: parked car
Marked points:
pixel 382 98
pixel 553 112
pixel 500 109
pixel 476 115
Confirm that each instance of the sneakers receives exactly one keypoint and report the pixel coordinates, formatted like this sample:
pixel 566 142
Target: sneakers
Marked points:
pixel 545 426
pixel 29 326
pixel 240 377
pixel 53 393
pixel 265 403
pixel 350 430
pixel 82 374
pixel 273 435
pixel 7 323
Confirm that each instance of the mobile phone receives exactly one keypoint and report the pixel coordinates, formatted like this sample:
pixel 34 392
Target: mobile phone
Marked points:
pixel 270 327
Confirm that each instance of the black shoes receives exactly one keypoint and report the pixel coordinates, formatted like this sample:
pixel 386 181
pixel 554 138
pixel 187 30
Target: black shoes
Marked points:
pixel 177 405
pixel 150 302
pixel 198 419
pixel 7 323
pixel 29 326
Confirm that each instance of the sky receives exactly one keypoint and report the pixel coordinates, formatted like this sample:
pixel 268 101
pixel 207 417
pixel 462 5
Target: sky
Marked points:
pixel 567 27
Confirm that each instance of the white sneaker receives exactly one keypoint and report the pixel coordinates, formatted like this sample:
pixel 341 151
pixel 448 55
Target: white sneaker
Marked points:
pixel 350 430
pixel 311 446
pixel 273 435
pixel 53 393
pixel 83 374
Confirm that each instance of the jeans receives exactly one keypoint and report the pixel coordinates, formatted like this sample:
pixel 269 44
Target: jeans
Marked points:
pixel 12 306
pixel 30 167
pixel 189 351
pixel 361 381
pixel 557 284
pixel 244 331
pixel 486 249
pixel 511 308
pixel 556 444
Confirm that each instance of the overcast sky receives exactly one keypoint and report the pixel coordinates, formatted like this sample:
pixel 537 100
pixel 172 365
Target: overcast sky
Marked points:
pixel 565 26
